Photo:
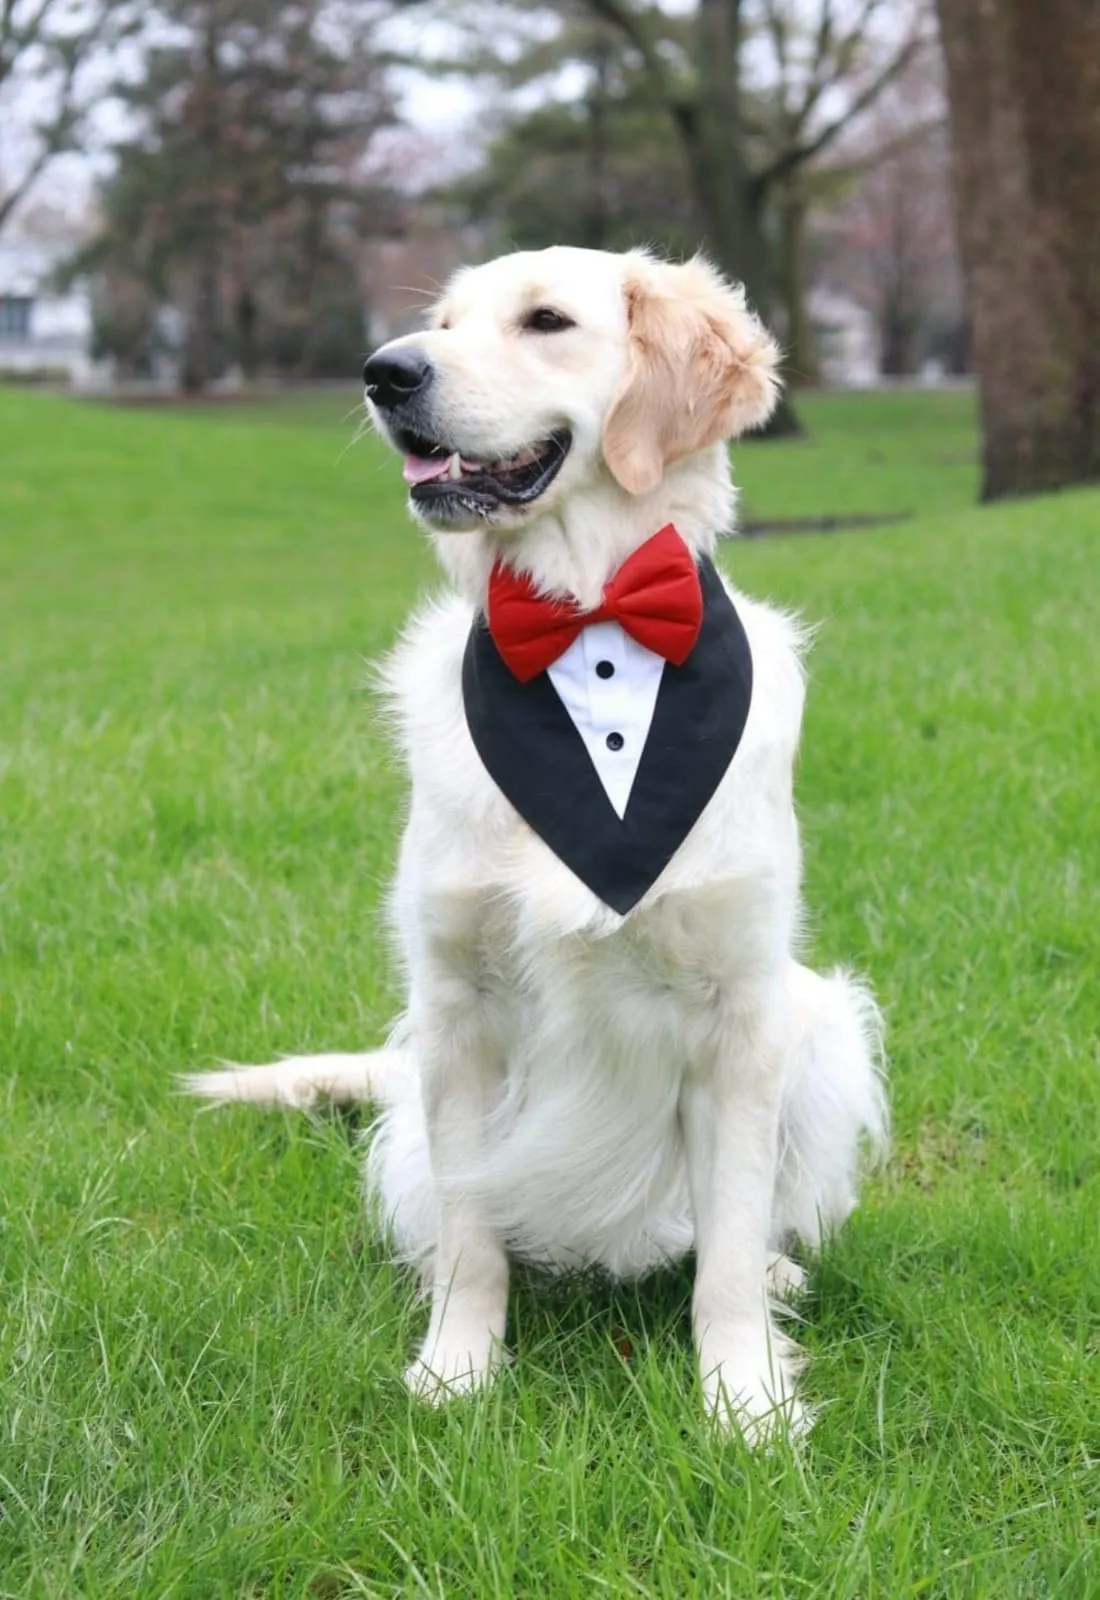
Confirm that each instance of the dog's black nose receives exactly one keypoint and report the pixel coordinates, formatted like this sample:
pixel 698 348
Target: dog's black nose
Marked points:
pixel 394 376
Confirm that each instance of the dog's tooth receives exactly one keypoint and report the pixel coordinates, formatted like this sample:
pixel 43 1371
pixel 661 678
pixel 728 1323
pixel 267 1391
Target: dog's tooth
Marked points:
pixel 454 466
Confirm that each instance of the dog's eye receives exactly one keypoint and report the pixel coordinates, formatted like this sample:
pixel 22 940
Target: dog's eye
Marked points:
pixel 545 320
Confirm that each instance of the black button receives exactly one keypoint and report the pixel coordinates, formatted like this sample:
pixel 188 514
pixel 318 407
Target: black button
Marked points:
pixel 605 669
pixel 615 741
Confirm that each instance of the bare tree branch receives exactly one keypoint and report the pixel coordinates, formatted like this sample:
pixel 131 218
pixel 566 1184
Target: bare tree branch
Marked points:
pixel 823 37
pixel 7 9
pixel 11 199
pixel 635 28
pixel 797 155
pixel 24 34
pixel 630 23
pixel 63 53
pixel 906 139
pixel 834 58
pixel 776 24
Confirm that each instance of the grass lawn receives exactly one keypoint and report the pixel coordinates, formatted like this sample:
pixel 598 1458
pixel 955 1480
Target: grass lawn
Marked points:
pixel 201 1341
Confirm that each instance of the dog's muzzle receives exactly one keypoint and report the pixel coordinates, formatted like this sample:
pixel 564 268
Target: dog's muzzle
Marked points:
pixel 450 483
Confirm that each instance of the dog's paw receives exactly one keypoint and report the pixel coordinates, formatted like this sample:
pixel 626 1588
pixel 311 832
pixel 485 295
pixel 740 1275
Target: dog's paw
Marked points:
pixel 443 1373
pixel 753 1389
pixel 786 1279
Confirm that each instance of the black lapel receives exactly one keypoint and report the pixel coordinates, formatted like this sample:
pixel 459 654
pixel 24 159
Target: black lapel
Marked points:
pixel 535 756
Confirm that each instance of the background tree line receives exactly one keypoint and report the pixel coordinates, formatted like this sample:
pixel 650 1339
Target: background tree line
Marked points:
pixel 256 146
pixel 237 200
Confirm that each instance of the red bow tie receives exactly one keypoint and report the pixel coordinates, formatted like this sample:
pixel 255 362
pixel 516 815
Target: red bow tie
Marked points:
pixel 655 596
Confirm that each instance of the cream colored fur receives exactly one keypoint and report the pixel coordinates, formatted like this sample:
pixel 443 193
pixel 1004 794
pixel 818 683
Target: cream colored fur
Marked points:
pixel 566 1083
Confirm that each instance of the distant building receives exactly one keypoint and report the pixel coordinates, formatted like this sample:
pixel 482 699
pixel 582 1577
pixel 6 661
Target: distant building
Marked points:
pixel 845 340
pixel 44 333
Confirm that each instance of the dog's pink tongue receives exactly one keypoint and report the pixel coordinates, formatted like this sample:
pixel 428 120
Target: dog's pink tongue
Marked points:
pixel 422 469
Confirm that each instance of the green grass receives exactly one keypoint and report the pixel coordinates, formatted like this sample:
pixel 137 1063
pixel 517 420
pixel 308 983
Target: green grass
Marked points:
pixel 200 1340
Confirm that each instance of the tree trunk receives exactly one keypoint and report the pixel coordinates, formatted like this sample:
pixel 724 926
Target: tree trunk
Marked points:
pixel 598 199
pixel 312 244
pixel 897 336
pixel 1024 90
pixel 899 316
pixel 735 241
pixel 709 127
pixel 724 189
pixel 800 357
pixel 200 350
pixel 246 312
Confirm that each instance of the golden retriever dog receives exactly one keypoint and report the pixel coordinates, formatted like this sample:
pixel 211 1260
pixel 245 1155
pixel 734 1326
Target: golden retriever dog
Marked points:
pixel 609 1052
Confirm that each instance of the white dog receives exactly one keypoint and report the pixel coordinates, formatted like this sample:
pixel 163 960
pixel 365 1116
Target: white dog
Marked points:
pixel 609 1052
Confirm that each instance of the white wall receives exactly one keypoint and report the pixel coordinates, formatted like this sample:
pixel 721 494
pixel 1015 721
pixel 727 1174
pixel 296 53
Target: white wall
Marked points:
pixel 60 324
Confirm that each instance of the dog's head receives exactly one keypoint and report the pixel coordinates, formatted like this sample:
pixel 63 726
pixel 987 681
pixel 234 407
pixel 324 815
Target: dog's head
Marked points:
pixel 543 370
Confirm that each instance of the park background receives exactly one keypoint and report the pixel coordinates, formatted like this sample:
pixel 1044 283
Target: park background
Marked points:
pixel 209 212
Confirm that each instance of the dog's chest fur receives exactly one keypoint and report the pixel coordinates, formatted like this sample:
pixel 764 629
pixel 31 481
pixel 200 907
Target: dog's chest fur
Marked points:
pixel 595 1018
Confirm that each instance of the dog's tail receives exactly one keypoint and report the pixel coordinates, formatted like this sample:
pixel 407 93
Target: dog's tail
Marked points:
pixel 301 1081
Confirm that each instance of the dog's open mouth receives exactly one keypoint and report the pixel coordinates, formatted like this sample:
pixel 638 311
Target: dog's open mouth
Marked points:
pixel 443 482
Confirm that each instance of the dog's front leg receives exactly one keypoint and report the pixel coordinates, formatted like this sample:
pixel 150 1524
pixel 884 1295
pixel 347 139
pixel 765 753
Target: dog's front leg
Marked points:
pixel 460 1068
pixel 729 1111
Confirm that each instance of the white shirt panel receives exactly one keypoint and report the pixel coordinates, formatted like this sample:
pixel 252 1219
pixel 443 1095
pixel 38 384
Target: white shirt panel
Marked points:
pixel 616 705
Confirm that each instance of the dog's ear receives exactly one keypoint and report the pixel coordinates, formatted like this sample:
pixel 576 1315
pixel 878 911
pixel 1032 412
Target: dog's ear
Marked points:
pixel 700 367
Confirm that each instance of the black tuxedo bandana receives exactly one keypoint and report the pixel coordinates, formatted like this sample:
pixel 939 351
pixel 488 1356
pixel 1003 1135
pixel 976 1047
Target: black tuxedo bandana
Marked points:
pixel 537 759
